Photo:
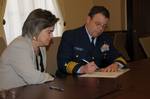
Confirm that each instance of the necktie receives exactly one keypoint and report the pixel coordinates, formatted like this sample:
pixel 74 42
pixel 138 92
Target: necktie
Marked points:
pixel 92 42
pixel 93 49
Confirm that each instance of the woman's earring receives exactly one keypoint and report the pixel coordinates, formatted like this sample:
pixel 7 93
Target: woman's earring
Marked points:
pixel 34 38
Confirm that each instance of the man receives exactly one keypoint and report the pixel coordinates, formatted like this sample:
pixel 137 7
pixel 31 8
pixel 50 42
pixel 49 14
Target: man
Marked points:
pixel 87 48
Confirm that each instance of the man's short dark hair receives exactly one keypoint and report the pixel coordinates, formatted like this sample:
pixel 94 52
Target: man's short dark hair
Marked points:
pixel 99 9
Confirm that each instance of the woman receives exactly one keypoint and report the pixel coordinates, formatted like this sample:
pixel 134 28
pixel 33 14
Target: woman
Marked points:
pixel 24 61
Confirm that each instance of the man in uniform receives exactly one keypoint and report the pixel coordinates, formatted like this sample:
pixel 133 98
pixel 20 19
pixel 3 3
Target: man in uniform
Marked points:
pixel 87 48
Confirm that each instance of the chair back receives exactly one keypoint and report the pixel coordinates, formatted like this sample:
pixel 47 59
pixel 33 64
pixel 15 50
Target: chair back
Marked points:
pixel 119 43
pixel 52 56
pixel 144 41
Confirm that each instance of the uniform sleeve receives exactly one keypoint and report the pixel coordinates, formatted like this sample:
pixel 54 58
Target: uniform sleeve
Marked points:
pixel 121 61
pixel 22 60
pixel 65 61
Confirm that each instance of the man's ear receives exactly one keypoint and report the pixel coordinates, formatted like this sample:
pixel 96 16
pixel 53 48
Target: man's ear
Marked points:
pixel 88 18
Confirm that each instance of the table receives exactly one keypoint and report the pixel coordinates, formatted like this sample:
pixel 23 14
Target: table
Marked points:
pixel 134 84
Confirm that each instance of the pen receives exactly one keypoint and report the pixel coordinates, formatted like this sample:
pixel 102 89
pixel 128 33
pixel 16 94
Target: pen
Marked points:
pixel 85 61
pixel 56 88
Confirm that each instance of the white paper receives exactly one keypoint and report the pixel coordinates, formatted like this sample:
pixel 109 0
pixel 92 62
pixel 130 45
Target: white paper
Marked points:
pixel 106 74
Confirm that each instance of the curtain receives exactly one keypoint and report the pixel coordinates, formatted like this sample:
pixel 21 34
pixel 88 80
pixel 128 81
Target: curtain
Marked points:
pixel 18 10
pixel 2 10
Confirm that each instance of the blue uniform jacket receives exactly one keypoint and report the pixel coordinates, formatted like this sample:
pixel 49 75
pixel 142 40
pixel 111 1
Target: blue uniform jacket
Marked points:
pixel 75 46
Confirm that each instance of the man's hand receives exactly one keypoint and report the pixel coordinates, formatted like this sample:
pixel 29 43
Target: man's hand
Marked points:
pixel 88 68
pixel 111 68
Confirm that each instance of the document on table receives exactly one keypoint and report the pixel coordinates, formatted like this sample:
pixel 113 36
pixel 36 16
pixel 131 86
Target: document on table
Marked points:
pixel 106 74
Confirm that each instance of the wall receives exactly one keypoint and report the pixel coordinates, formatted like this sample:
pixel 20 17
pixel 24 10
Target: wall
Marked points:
pixel 117 10
pixel 75 11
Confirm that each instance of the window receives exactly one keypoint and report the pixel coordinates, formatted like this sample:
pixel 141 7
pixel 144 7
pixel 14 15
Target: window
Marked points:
pixel 18 10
